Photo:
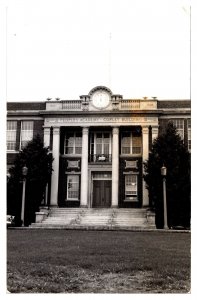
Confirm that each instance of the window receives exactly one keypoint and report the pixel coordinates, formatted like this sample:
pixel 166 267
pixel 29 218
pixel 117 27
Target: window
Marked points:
pixel 189 133
pixel 26 133
pixel 136 144
pixel 73 187
pixel 73 143
pixel 100 146
pixel 11 135
pixel 126 143
pixel 130 143
pixel 130 187
pixel 102 143
pixel 179 124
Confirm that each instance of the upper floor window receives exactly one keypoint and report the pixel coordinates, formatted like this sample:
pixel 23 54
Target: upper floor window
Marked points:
pixel 73 143
pixel 130 143
pixel 189 133
pixel 11 135
pixel 26 133
pixel 126 143
pixel 102 143
pixel 100 147
pixel 179 124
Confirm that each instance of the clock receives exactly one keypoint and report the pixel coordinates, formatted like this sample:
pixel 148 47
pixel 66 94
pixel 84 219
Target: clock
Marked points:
pixel 100 99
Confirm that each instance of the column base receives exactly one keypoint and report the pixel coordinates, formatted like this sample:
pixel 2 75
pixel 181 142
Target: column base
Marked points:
pixel 114 206
pixel 83 206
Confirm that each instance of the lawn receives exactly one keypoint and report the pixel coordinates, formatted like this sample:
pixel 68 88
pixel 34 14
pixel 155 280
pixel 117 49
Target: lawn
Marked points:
pixel 66 261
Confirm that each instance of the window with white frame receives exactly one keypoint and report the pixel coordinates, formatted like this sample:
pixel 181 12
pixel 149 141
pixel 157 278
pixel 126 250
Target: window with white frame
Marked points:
pixel 130 143
pixel 11 135
pixel 100 143
pixel 179 124
pixel 26 133
pixel 189 133
pixel 130 186
pixel 73 143
pixel 73 187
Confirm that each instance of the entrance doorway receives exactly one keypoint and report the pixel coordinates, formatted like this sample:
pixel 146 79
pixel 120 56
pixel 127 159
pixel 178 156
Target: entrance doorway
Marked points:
pixel 102 186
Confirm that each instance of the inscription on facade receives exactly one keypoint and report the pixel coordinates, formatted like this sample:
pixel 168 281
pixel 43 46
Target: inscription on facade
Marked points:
pixel 101 120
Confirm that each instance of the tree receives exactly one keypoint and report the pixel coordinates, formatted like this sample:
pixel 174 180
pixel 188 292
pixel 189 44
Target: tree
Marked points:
pixel 168 149
pixel 39 163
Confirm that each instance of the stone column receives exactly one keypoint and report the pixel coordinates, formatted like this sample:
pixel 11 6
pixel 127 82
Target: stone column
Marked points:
pixel 46 136
pixel 155 130
pixel 47 131
pixel 55 173
pixel 115 167
pixel 145 154
pixel 84 168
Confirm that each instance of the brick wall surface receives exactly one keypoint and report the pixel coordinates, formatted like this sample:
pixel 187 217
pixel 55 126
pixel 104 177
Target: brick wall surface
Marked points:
pixel 26 106
pixel 174 104
pixel 38 128
pixel 11 158
pixel 18 135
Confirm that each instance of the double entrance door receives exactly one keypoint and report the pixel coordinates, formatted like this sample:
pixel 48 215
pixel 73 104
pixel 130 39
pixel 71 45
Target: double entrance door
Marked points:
pixel 102 191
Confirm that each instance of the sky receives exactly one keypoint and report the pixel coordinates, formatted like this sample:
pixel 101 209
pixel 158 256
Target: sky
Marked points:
pixel 64 48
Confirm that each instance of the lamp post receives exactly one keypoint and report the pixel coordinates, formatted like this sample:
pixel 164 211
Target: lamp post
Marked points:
pixel 24 172
pixel 163 174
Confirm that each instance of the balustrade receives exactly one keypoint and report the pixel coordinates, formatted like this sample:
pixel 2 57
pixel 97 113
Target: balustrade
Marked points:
pixel 72 105
pixel 100 158
pixel 130 104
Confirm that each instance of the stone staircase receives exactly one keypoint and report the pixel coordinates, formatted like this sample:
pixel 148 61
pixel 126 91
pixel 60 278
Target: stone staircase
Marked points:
pixel 100 219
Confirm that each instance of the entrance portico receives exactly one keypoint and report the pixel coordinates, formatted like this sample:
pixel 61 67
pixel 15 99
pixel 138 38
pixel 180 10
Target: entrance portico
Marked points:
pixel 91 139
pixel 81 165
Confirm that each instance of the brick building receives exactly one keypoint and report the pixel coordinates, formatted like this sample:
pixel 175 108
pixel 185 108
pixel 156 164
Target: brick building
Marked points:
pixel 99 143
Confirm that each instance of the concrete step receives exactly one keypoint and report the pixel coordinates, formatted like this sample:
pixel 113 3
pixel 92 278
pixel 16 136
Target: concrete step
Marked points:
pixel 95 218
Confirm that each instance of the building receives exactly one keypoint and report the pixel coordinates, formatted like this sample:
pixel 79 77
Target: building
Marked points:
pixel 98 142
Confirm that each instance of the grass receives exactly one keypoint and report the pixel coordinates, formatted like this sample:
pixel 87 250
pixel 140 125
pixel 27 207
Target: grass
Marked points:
pixel 66 261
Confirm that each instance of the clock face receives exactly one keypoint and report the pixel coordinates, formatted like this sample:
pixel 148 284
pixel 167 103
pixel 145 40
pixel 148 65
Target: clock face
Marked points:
pixel 100 99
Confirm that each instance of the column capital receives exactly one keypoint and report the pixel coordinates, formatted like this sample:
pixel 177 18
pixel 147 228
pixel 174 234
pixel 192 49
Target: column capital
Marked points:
pixel 145 129
pixel 47 130
pixel 85 130
pixel 115 130
pixel 155 129
pixel 56 130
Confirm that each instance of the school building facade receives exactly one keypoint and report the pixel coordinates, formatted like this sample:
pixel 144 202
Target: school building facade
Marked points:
pixel 99 143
